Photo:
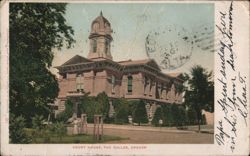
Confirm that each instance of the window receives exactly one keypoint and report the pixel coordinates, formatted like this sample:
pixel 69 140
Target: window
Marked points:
pixel 106 46
pixel 64 75
pixel 113 83
pixel 107 25
pixel 151 86
pixel 145 85
pixel 162 88
pixel 157 94
pixel 94 45
pixel 95 27
pixel 79 83
pixel 130 86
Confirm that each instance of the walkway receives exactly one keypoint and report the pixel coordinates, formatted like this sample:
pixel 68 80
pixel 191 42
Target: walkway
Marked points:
pixel 156 135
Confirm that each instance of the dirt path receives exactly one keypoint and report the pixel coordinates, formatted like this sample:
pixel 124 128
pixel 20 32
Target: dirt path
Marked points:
pixel 160 137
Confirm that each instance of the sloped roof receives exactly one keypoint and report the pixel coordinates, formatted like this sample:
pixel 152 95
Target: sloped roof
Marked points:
pixel 173 74
pixel 76 59
pixel 149 62
pixel 130 62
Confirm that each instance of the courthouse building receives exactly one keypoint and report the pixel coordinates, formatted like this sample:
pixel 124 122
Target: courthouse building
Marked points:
pixel 130 79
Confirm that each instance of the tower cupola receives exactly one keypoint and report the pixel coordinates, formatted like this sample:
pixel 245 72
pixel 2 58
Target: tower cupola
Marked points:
pixel 100 38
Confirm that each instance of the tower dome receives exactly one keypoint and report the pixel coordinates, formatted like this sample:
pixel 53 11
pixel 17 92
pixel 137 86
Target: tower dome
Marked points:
pixel 100 38
pixel 101 26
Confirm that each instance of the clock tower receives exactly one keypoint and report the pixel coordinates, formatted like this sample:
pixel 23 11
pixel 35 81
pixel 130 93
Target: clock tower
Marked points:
pixel 100 38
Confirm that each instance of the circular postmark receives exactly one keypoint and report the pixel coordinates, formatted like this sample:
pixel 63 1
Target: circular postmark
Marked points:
pixel 170 46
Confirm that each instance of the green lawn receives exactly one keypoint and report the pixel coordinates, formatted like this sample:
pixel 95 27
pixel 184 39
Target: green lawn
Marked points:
pixel 40 138
pixel 81 138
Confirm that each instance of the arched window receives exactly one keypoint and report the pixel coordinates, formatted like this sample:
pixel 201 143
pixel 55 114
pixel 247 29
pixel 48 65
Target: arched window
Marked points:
pixel 107 25
pixel 113 83
pixel 130 85
pixel 106 46
pixel 94 45
pixel 95 27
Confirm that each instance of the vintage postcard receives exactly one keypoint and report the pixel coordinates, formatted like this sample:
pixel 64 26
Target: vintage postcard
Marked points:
pixel 124 78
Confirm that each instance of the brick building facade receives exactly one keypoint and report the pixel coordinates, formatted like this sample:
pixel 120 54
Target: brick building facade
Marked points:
pixel 130 79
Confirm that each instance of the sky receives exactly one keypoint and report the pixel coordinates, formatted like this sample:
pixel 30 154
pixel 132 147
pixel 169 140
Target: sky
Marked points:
pixel 179 29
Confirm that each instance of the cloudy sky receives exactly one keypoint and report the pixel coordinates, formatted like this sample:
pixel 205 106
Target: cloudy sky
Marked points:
pixel 186 28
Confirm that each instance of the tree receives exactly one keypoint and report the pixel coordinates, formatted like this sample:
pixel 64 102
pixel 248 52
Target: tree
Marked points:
pixel 176 114
pixel 94 105
pixel 67 113
pixel 157 116
pixel 192 118
pixel 36 29
pixel 140 114
pixel 200 92
pixel 181 116
pixel 132 104
pixel 102 104
pixel 87 106
pixel 167 115
pixel 121 111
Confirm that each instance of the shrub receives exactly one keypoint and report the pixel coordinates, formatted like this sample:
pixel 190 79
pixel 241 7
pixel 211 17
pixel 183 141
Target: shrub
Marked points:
pixel 192 117
pixel 167 115
pixel 67 113
pixel 157 116
pixel 109 120
pixel 182 120
pixel 179 115
pixel 132 106
pixel 17 133
pixel 37 122
pixel 87 106
pixel 140 114
pixel 102 104
pixel 58 129
pixel 122 111
pixel 94 105
pixel 174 115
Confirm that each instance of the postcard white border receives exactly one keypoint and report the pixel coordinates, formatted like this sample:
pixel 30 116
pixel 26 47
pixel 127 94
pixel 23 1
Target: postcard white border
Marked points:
pixel 241 37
